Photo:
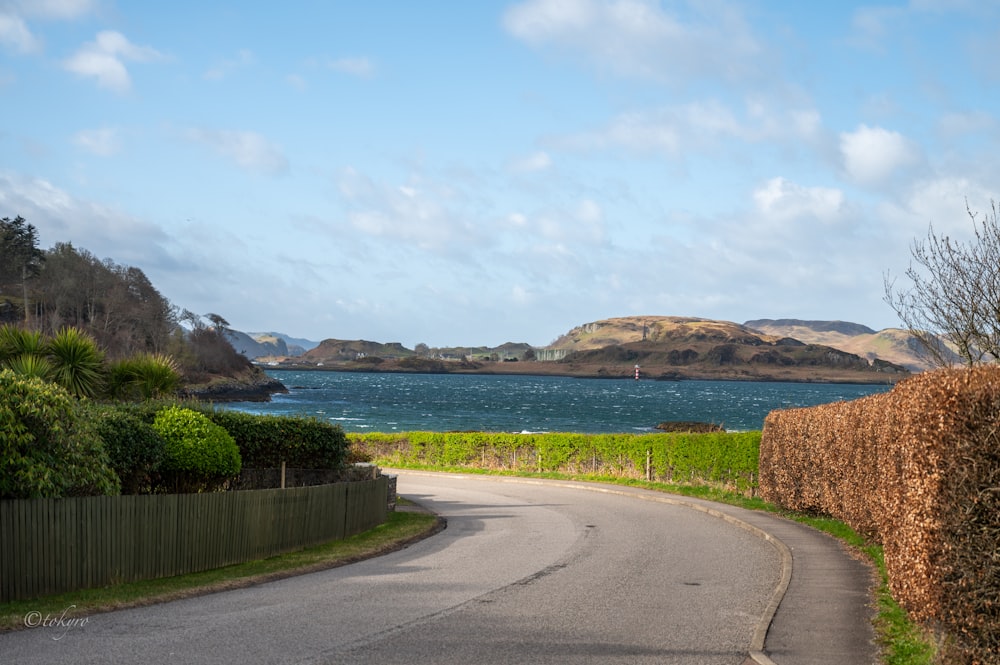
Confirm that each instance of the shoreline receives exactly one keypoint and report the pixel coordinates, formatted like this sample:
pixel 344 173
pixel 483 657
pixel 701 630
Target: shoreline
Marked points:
pixel 589 371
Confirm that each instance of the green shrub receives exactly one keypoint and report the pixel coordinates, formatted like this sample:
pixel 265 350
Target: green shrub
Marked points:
pixel 48 447
pixel 267 441
pixel 145 376
pixel 200 455
pixel 134 448
pixel 77 363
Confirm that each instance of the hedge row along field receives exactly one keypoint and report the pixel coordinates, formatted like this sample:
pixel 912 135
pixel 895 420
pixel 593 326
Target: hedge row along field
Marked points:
pixel 918 469
pixel 722 458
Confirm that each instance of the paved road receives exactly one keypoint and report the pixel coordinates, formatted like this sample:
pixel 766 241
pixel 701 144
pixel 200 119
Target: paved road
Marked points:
pixel 524 573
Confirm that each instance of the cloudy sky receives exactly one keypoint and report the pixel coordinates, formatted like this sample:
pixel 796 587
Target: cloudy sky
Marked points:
pixel 481 172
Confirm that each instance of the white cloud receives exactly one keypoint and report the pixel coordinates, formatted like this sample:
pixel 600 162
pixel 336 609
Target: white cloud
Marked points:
pixel 959 123
pixel 589 212
pixel 536 161
pixel 248 150
pixel 14 34
pixel 103 58
pixel 939 201
pixel 14 31
pixel 675 130
pixel 639 38
pixel 872 155
pixel 54 9
pixel 102 230
pixel 416 215
pixel 103 142
pixel 783 200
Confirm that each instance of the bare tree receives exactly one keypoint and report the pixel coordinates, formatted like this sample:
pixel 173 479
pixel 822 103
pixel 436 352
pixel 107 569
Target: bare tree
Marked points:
pixel 953 303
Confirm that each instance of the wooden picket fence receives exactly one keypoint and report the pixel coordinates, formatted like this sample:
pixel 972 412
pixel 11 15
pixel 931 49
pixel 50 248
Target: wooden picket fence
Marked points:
pixel 52 546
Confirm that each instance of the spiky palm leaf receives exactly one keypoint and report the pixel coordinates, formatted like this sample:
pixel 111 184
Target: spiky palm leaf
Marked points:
pixel 146 376
pixel 78 365
pixel 16 341
pixel 29 365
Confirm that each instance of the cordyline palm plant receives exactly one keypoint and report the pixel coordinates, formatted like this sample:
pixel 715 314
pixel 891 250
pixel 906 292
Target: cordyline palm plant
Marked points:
pixel 23 351
pixel 77 363
pixel 73 360
pixel 145 376
pixel 28 365
pixel 16 342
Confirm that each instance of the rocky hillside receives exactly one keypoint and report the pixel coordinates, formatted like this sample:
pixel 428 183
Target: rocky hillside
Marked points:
pixel 296 345
pixel 653 329
pixel 681 347
pixel 891 345
pixel 339 351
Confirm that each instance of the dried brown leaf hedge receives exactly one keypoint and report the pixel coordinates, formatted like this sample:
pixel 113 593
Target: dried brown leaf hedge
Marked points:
pixel 917 469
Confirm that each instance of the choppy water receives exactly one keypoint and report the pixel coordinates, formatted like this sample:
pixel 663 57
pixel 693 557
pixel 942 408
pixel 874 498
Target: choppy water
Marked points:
pixel 362 402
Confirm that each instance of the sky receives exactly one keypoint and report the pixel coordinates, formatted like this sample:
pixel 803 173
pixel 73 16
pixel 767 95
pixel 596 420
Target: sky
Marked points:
pixel 472 173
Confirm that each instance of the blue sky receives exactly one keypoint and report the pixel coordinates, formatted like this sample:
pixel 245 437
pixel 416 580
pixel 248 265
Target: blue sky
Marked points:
pixel 480 172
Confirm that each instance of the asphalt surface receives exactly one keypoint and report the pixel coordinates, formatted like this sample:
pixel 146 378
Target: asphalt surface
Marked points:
pixel 526 572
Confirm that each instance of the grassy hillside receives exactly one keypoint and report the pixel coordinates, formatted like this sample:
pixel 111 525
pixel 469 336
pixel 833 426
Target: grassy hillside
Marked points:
pixel 892 344
pixel 669 330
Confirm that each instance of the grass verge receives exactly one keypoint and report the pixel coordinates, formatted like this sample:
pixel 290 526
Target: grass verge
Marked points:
pixel 401 529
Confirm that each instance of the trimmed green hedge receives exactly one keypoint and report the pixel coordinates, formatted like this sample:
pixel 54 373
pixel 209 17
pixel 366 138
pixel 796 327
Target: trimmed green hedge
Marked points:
pixel 726 458
pixel 267 441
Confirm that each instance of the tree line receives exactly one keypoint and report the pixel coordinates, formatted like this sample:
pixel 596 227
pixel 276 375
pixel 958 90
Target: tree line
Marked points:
pixel 47 291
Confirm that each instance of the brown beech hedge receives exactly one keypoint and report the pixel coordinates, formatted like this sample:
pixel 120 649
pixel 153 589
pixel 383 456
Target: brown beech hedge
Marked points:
pixel 918 470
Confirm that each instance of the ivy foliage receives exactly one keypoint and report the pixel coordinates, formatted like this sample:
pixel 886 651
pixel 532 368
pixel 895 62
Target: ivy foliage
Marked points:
pixel 48 447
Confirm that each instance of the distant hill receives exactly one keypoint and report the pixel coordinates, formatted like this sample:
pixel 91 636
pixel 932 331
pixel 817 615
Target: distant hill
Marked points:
pixel 689 347
pixel 844 328
pixel 339 350
pixel 665 329
pixel 892 344
pixel 268 345
pixel 665 347
pixel 293 343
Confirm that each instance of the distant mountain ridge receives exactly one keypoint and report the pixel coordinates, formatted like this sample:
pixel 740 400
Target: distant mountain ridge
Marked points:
pixel 891 344
pixel 841 327
pixel 291 342
pixel 268 345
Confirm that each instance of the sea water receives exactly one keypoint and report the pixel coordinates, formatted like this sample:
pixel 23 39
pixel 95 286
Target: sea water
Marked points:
pixel 386 402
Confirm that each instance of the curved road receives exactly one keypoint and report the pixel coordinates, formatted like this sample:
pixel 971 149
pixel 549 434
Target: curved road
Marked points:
pixel 526 572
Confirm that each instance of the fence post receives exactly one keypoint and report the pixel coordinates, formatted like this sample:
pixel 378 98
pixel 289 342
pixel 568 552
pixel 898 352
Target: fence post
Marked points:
pixel 282 474
pixel 649 465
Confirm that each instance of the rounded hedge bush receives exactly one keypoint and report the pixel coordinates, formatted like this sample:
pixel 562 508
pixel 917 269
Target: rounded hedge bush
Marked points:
pixel 199 455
